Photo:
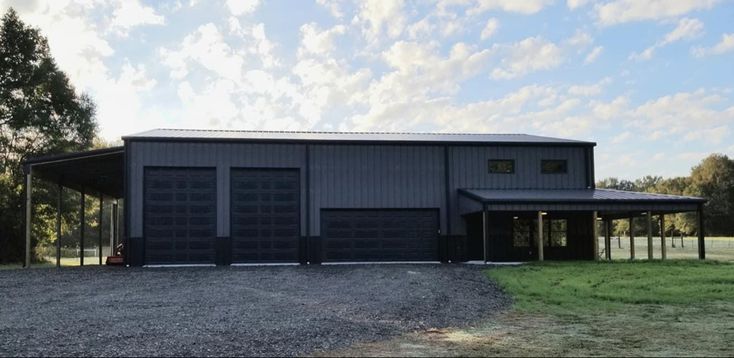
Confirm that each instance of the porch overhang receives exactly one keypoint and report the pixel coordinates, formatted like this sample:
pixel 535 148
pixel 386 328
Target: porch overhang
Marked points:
pixel 609 203
pixel 99 171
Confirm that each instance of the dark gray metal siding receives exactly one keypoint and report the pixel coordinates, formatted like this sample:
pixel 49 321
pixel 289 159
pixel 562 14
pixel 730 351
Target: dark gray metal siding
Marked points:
pixel 359 175
pixel 375 177
pixel 468 168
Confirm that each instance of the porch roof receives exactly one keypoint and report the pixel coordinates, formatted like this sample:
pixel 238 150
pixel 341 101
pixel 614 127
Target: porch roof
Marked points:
pixel 613 202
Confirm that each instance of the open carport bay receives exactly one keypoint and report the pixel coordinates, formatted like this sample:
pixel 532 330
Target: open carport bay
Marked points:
pixel 239 311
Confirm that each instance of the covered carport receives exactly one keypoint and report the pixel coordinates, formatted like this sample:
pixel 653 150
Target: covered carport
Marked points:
pixel 98 173
pixel 603 205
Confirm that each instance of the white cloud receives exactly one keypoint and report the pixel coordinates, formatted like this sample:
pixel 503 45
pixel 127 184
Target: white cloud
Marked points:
pixel 381 17
pixel 490 28
pixel 529 55
pixel 119 101
pixel 687 29
pixel 621 11
pixel 334 7
pixel 621 138
pixel 242 7
pixel 315 41
pixel 685 115
pixel 594 54
pixel 131 13
pixel 575 4
pixel 725 45
pixel 207 48
pixel 580 39
pixel 481 6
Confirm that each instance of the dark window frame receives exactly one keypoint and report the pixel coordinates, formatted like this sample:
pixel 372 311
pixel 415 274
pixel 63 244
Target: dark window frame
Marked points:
pixel 489 166
pixel 549 230
pixel 545 161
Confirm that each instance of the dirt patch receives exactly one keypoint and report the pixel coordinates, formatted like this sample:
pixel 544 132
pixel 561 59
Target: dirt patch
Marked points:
pixel 656 331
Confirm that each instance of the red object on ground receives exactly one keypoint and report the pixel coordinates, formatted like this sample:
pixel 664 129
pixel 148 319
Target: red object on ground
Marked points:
pixel 115 260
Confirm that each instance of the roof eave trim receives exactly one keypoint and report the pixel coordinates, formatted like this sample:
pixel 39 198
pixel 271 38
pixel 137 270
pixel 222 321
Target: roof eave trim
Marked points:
pixel 355 141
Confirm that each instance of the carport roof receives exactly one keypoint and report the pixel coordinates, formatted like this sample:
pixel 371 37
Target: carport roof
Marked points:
pixel 608 201
pixel 99 171
pixel 384 137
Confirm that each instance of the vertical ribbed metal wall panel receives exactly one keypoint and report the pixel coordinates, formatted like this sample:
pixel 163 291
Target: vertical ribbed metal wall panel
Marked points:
pixel 223 156
pixel 376 176
pixel 361 175
pixel 469 168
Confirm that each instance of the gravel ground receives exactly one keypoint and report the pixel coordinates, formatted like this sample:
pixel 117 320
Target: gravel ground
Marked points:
pixel 242 311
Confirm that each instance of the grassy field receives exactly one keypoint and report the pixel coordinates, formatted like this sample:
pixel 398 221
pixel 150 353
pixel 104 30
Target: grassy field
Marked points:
pixel 671 308
pixel 717 248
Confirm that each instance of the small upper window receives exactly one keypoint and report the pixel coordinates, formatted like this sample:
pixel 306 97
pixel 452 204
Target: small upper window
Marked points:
pixel 501 166
pixel 554 167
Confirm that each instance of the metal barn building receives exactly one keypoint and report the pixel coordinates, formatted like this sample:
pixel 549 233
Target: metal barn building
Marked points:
pixel 210 197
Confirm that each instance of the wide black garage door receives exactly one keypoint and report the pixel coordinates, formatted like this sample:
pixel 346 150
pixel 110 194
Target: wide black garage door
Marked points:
pixel 379 235
pixel 180 215
pixel 265 215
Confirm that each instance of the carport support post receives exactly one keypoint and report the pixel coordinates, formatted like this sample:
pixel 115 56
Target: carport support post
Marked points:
pixel 99 223
pixel 28 213
pixel 701 233
pixel 81 230
pixel 608 238
pixel 484 234
pixel 540 236
pixel 58 226
pixel 663 249
pixel 649 235
pixel 595 233
pixel 632 238
pixel 113 227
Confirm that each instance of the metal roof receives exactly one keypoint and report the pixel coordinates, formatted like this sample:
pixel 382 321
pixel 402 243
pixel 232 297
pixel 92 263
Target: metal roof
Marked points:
pixel 98 171
pixel 258 135
pixel 573 196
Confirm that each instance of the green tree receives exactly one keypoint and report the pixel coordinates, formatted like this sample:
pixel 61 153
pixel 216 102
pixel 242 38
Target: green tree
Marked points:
pixel 40 113
pixel 713 179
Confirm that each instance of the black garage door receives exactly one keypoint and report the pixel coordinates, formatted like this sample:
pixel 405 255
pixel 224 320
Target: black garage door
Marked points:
pixel 379 235
pixel 180 215
pixel 265 215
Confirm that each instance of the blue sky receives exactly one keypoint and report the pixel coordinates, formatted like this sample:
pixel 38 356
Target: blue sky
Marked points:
pixel 649 80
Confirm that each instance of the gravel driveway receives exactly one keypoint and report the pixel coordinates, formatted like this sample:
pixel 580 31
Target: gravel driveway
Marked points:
pixel 234 310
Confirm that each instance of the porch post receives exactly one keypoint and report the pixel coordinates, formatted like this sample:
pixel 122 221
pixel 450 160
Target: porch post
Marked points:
pixel 595 241
pixel 484 234
pixel 58 226
pixel 662 237
pixel 81 230
pixel 99 239
pixel 608 238
pixel 701 233
pixel 28 213
pixel 649 235
pixel 113 227
pixel 540 236
pixel 632 238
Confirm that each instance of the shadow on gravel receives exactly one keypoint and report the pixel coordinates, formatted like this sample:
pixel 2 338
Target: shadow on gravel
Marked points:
pixel 241 311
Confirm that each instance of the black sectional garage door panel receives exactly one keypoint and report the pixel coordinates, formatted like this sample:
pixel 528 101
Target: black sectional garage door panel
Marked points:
pixel 379 235
pixel 180 215
pixel 265 215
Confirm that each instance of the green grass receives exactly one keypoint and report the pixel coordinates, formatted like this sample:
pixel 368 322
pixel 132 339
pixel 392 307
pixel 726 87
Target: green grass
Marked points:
pixel 582 287
pixel 717 248
pixel 620 308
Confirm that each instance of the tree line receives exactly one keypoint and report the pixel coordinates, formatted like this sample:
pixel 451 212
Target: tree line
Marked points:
pixel 712 179
pixel 40 113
